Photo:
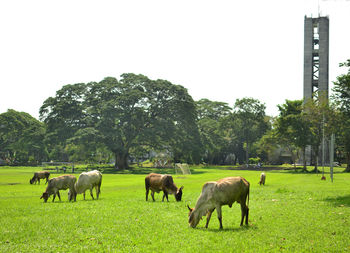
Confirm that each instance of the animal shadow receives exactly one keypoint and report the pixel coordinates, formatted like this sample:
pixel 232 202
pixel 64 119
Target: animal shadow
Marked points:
pixel 339 200
pixel 228 229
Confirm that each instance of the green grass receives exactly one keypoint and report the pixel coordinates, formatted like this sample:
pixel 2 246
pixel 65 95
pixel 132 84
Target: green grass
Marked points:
pixel 293 212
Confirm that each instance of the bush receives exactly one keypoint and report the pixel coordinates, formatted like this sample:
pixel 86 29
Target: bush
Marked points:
pixel 254 160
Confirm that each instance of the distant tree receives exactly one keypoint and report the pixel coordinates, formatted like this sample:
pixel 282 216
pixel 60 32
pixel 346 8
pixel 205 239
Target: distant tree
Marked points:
pixel 291 129
pixel 232 133
pixel 249 114
pixel 63 115
pixel 211 115
pixel 268 144
pixel 318 113
pixel 136 111
pixel 341 96
pixel 21 138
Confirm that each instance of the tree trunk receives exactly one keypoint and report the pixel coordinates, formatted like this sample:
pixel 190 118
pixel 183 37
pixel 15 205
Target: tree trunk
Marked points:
pixel 304 159
pixel 315 170
pixel 247 154
pixel 347 162
pixel 121 161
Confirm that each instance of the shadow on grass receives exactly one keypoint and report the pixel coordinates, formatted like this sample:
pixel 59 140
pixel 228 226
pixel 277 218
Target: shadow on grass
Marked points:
pixel 228 229
pixel 339 200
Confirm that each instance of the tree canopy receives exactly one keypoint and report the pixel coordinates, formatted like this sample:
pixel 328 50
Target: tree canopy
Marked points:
pixel 125 115
pixel 21 138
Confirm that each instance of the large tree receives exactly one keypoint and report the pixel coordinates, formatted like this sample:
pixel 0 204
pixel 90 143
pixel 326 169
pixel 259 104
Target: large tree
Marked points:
pixel 124 115
pixel 341 95
pixel 21 138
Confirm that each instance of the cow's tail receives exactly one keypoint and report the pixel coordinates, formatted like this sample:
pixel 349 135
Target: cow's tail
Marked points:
pixel 248 196
pixel 147 183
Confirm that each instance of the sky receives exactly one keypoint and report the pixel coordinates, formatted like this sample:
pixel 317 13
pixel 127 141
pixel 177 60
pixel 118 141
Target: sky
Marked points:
pixel 221 50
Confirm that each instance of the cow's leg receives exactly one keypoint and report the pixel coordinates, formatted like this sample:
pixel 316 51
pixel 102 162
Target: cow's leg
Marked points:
pixel 39 181
pixel 147 191
pixel 92 196
pixel 84 195
pixel 54 196
pixel 59 196
pixel 208 217
pixel 218 210
pixel 152 194
pixel 244 213
pixel 165 194
pixel 97 191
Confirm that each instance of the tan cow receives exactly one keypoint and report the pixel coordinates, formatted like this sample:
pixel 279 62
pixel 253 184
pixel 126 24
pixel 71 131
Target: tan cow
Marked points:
pixel 262 178
pixel 60 183
pixel 40 175
pixel 225 191
pixel 158 182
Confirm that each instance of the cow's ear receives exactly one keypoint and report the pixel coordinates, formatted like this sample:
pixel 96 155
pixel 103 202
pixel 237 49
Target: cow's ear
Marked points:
pixel 181 188
pixel 189 208
pixel 41 196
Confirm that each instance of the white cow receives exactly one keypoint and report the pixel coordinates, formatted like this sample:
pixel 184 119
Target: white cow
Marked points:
pixel 89 180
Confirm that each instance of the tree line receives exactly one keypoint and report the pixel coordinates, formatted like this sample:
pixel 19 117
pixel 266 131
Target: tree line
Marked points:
pixel 126 119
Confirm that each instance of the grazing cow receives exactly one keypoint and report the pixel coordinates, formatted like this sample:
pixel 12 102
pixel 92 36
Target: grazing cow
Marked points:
pixel 165 183
pixel 40 175
pixel 89 180
pixel 60 183
pixel 262 178
pixel 225 191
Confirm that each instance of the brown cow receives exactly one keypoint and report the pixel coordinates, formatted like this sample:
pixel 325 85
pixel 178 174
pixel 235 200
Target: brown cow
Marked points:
pixel 225 191
pixel 165 183
pixel 40 175
pixel 60 183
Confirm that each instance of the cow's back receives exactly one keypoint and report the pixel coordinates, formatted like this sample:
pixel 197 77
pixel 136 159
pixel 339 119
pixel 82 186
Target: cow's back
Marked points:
pixel 154 181
pixel 62 182
pixel 93 177
pixel 231 189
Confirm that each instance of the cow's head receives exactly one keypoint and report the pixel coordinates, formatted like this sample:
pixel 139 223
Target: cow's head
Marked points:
pixel 178 194
pixel 193 217
pixel 31 181
pixel 45 196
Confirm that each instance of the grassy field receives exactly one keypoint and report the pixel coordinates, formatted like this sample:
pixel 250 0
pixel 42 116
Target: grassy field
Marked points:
pixel 293 212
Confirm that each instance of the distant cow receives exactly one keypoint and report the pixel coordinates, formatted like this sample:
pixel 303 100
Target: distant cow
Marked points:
pixel 262 179
pixel 89 180
pixel 60 183
pixel 165 183
pixel 40 175
pixel 226 191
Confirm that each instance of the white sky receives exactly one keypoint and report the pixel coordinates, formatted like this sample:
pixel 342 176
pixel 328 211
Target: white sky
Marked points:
pixel 221 50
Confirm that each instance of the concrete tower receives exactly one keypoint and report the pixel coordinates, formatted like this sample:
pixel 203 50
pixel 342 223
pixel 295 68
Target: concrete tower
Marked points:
pixel 316 56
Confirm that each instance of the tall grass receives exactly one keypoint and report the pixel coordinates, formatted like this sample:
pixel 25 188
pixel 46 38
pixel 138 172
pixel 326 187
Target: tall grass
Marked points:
pixel 293 212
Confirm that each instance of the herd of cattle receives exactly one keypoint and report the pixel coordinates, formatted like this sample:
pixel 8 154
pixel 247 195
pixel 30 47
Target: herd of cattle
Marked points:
pixel 214 195
pixel 86 180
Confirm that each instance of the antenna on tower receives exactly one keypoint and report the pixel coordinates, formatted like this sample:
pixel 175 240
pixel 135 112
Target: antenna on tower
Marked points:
pixel 318 7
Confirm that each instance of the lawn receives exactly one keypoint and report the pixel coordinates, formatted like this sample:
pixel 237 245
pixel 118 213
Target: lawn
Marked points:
pixel 293 212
